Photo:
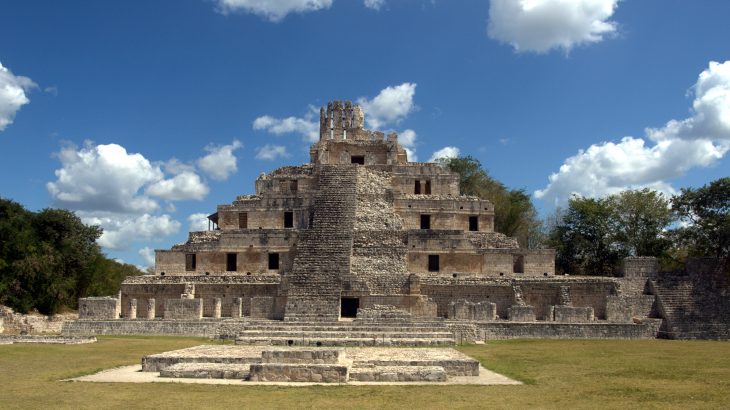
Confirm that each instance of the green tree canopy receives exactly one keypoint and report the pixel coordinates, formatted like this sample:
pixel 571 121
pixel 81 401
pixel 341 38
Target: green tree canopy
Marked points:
pixel 49 259
pixel 706 214
pixel 514 213
pixel 592 235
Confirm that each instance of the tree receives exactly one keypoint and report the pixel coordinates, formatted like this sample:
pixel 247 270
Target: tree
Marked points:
pixel 514 213
pixel 706 214
pixel 584 240
pixel 49 259
pixel 641 217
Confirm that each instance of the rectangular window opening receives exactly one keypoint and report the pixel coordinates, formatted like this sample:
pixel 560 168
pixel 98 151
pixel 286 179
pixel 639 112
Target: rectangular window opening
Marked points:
pixel 425 221
pixel 294 185
pixel 428 188
pixel 190 262
pixel 273 261
pixel 243 220
pixel 288 219
pixel 357 159
pixel 417 188
pixel 518 263
pixel 473 223
pixel 433 263
pixel 231 262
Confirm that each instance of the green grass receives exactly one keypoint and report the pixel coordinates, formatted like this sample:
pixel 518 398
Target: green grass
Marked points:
pixel 558 374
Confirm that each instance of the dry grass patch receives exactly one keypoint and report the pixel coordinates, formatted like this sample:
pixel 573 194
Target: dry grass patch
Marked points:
pixel 560 374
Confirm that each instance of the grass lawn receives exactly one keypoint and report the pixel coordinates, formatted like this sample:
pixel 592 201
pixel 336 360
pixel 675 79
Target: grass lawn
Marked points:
pixel 558 374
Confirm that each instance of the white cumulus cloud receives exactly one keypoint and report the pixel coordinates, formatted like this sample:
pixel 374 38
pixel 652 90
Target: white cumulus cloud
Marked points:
pixel 198 222
pixel 120 230
pixel 700 140
pixel 390 106
pixel 148 256
pixel 445 152
pixel 185 185
pixel 103 177
pixel 220 162
pixel 541 25
pixel 13 90
pixel 374 4
pixel 407 139
pixel 305 126
pixel 272 10
pixel 271 152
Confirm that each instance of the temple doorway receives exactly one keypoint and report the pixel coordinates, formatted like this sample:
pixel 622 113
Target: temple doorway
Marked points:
pixel 349 306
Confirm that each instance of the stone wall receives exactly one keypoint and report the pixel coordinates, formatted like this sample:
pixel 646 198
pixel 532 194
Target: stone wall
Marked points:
pixel 540 293
pixel 553 330
pixel 100 308
pixel 571 314
pixel 33 323
pixel 465 310
pixel 183 309
pixel 199 328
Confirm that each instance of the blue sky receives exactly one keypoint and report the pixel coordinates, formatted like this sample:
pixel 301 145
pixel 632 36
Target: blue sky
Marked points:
pixel 142 115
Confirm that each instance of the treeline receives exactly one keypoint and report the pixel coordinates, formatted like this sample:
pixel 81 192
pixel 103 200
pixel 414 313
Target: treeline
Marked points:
pixel 592 235
pixel 49 259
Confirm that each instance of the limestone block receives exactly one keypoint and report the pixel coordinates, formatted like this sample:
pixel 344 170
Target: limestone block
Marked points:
pixel 299 372
pixel 573 314
pixel 184 309
pixel 521 314
pixel 313 356
pixel 99 308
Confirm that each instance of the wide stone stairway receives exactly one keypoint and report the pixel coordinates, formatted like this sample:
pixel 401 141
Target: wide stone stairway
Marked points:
pixel 424 333
pixel 323 251
pixel 692 308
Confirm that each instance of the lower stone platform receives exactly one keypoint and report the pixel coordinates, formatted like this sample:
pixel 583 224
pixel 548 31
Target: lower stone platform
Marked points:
pixel 46 339
pixel 314 365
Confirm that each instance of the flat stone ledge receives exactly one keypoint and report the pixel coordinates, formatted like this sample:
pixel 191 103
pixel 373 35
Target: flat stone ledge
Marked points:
pixel 47 339
pixel 299 372
pixel 398 374
pixel 207 371
pixel 307 356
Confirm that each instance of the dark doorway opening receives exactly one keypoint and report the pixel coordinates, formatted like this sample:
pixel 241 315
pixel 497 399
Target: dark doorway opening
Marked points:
pixel 519 263
pixel 425 221
pixel 231 259
pixel 273 261
pixel 190 262
pixel 433 263
pixel 428 188
pixel 357 159
pixel 473 223
pixel 288 219
pixel 349 306
pixel 242 220
pixel 417 188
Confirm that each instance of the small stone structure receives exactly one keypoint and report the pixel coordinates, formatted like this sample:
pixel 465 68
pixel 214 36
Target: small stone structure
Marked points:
pixel 313 365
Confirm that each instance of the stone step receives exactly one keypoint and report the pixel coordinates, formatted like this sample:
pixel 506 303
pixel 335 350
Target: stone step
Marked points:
pixel 207 370
pixel 300 372
pixel 343 334
pixel 377 327
pixel 398 374
pixel 351 342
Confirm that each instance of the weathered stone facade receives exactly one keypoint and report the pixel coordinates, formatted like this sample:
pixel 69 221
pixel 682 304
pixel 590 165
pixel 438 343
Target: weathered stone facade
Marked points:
pixel 360 232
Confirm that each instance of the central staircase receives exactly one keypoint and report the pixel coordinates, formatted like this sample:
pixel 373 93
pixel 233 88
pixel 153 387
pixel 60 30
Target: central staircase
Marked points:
pixel 324 250
pixel 351 334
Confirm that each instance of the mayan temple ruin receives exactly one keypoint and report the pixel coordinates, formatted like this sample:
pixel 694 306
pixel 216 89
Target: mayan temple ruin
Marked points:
pixel 381 250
